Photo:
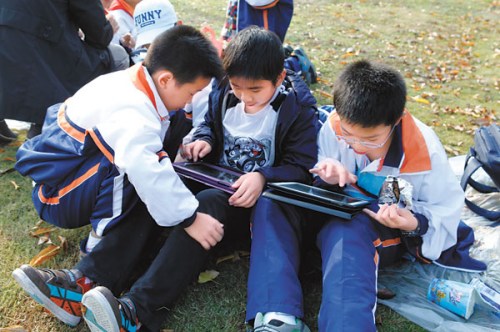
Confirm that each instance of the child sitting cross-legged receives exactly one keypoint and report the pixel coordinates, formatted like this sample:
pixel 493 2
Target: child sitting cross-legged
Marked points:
pixel 370 137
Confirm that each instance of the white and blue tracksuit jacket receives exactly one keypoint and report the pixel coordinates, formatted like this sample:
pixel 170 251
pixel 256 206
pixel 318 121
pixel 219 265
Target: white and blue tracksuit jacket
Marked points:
pixel 352 251
pixel 102 150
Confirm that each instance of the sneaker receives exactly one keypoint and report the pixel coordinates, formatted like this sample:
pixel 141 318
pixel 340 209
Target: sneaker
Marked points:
pixel 105 313
pixel 262 324
pixel 6 135
pixel 57 290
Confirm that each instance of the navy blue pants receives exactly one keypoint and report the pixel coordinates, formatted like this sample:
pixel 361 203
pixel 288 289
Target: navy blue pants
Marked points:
pixel 156 270
pixel 351 253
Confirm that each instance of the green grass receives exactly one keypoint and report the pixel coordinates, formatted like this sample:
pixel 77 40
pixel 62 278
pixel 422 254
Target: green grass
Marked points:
pixel 448 52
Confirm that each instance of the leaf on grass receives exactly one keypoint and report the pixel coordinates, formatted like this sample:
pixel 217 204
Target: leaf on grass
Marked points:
pixel 206 276
pixel 45 255
pixel 421 100
pixel 15 185
pixel 5 171
pixel 44 239
pixel 63 242
pixel 224 258
pixel 13 328
pixel 451 150
pixel 37 231
pixel 9 159
pixel 235 256
pixel 325 94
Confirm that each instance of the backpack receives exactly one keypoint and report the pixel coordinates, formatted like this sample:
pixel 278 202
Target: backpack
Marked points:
pixel 298 61
pixel 485 154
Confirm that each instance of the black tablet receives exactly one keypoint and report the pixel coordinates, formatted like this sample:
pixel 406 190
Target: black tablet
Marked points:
pixel 212 175
pixel 330 198
pixel 345 215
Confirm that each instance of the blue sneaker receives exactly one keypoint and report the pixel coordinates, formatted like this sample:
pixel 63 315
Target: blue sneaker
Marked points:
pixel 57 290
pixel 105 313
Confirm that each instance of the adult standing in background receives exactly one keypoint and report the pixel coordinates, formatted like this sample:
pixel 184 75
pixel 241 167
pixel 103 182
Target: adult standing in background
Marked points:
pixel 44 59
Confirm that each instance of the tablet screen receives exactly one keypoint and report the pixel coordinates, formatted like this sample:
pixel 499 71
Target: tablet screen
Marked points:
pixel 319 194
pixel 219 174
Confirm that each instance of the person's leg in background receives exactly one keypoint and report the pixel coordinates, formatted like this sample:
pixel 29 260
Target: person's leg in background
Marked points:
pixel 6 135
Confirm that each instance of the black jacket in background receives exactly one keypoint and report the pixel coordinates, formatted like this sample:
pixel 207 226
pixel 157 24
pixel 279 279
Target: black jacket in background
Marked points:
pixel 43 60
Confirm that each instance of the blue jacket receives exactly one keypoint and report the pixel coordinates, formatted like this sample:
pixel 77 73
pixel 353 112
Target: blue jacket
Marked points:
pixel 275 18
pixel 296 130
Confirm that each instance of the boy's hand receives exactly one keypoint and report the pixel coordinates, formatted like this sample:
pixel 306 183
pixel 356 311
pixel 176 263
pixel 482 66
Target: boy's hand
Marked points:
pixel 249 187
pixel 196 150
pixel 128 41
pixel 333 172
pixel 205 229
pixel 394 217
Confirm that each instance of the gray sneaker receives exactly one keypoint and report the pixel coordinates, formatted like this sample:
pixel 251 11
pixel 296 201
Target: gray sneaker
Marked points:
pixel 275 325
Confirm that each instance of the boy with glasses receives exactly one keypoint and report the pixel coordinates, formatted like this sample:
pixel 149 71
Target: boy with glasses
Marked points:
pixel 369 138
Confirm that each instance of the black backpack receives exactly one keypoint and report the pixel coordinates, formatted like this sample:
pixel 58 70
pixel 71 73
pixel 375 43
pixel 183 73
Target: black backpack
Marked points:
pixel 486 154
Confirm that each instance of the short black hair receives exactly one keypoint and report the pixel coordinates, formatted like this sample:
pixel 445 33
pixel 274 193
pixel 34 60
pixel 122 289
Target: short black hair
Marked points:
pixel 185 52
pixel 369 94
pixel 254 53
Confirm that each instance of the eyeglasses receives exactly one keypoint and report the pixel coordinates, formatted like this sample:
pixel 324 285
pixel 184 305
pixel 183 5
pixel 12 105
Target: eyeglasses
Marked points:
pixel 368 145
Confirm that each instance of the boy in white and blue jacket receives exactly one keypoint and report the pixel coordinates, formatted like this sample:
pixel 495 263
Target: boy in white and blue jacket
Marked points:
pixel 369 137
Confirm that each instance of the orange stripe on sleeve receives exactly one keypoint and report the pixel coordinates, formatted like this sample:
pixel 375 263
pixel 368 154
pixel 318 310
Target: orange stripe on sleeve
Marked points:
pixel 101 146
pixel 387 243
pixel 391 242
pixel 63 191
pixel 66 126
pixel 162 154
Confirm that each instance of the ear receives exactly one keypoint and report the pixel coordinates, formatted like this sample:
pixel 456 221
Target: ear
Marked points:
pixel 281 78
pixel 163 77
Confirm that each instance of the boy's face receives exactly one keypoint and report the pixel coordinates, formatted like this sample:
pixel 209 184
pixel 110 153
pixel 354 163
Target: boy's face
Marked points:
pixel 175 95
pixel 373 141
pixel 254 93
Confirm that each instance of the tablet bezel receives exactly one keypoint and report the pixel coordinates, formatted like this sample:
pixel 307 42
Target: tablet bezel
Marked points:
pixel 186 169
pixel 301 190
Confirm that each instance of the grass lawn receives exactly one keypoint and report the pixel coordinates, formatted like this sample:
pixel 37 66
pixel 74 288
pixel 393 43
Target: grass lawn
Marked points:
pixel 448 51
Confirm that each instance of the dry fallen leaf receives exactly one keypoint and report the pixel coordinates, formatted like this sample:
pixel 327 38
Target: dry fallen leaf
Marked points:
pixel 44 255
pixel 325 94
pixel 13 328
pixel 206 276
pixel 41 230
pixel 44 239
pixel 63 242
pixel 421 100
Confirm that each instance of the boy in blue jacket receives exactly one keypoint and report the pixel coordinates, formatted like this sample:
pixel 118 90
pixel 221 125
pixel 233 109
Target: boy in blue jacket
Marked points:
pixel 260 120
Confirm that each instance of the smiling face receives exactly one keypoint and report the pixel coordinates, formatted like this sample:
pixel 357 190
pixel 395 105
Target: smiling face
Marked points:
pixel 254 93
pixel 173 94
